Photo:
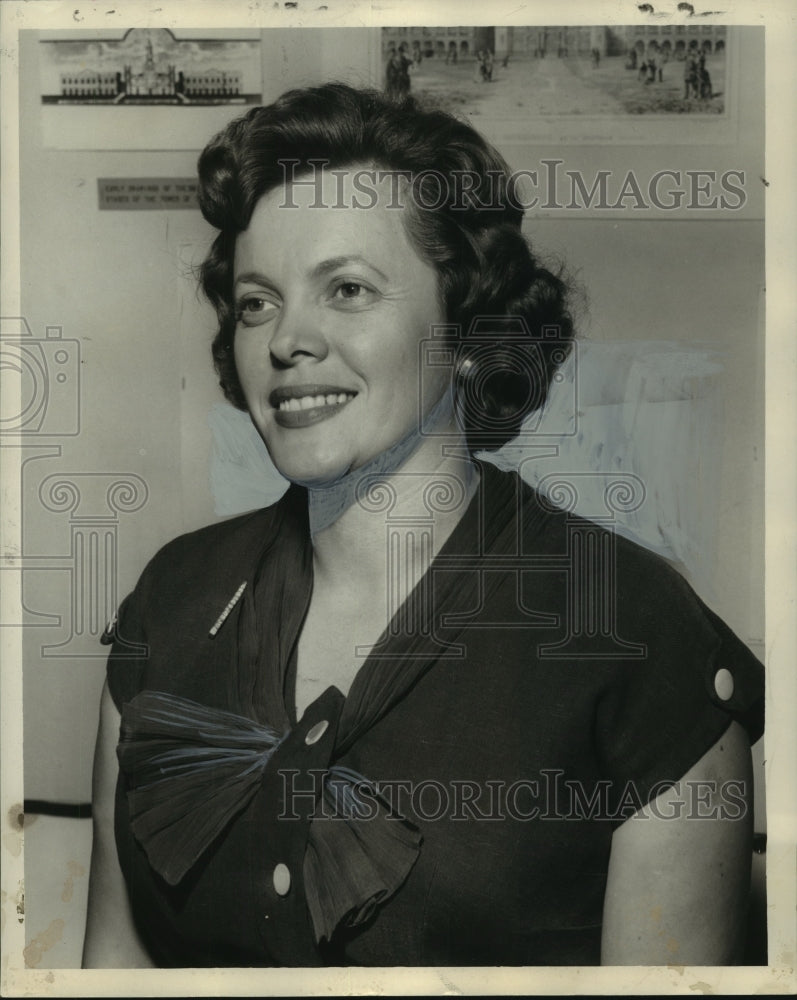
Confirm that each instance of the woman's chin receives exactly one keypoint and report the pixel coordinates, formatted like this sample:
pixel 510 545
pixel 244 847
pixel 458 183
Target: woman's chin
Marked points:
pixel 318 476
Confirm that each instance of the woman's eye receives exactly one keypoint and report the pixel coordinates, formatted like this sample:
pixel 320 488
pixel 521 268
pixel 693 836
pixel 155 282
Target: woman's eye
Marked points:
pixel 254 310
pixel 352 291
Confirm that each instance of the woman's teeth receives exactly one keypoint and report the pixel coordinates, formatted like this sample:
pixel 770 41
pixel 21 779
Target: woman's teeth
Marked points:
pixel 308 402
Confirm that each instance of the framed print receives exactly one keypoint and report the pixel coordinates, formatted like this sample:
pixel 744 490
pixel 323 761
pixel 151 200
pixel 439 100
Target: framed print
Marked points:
pixel 594 84
pixel 143 86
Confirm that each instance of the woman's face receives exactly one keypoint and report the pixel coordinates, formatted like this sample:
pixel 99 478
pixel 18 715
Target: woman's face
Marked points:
pixel 332 303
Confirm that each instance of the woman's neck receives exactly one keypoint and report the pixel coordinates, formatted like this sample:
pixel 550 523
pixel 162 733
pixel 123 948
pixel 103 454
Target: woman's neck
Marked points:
pixel 419 503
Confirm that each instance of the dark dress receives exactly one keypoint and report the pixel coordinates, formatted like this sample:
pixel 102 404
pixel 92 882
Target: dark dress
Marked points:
pixel 529 710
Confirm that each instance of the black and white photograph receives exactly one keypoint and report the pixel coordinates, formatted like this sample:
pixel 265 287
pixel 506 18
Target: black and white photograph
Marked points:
pixel 398 521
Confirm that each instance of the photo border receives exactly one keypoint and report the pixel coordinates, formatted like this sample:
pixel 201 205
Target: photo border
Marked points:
pixel 781 502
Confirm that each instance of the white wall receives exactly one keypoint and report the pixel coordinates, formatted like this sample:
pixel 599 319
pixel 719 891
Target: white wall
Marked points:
pixel 671 284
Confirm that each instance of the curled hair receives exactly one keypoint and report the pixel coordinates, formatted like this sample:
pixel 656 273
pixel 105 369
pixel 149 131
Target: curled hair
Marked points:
pixel 511 312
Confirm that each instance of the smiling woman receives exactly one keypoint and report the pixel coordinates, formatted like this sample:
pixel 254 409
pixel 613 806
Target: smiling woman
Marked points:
pixel 335 292
pixel 414 713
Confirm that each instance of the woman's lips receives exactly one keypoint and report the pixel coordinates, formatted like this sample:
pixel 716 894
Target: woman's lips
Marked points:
pixel 301 406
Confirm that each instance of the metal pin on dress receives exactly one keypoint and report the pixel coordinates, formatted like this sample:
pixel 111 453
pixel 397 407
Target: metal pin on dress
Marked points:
pixel 225 613
pixel 109 634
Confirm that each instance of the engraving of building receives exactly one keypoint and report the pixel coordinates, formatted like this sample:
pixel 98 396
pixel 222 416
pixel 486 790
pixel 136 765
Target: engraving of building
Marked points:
pixel 212 82
pixel 169 84
pixel 149 83
pixel 89 83
pixel 439 43
pixel 564 41
pixel 558 40
pixel 674 39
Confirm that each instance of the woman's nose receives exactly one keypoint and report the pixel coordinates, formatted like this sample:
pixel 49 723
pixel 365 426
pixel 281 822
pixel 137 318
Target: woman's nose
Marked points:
pixel 297 335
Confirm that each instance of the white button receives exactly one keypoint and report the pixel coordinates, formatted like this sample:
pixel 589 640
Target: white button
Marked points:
pixel 317 731
pixel 281 879
pixel 723 684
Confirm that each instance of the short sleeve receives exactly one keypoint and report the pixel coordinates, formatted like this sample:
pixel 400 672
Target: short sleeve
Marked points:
pixel 661 713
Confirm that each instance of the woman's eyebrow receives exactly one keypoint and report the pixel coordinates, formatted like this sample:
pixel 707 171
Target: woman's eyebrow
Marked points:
pixel 333 263
pixel 255 278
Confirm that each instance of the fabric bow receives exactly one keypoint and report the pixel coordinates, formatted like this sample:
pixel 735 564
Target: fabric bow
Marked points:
pixel 192 769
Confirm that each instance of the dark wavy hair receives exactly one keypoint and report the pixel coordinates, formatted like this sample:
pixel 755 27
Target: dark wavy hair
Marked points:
pixel 511 312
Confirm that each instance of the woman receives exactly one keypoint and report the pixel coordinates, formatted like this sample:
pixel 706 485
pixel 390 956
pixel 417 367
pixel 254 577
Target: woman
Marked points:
pixel 377 723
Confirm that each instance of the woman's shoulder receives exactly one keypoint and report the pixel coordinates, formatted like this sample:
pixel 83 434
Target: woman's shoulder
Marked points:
pixel 213 550
pixel 551 526
pixel 206 543
pixel 619 586
pixel 162 623
pixel 668 673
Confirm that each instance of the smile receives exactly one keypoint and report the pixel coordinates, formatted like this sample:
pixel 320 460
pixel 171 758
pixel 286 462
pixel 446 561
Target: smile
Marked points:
pixel 314 402
pixel 300 406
